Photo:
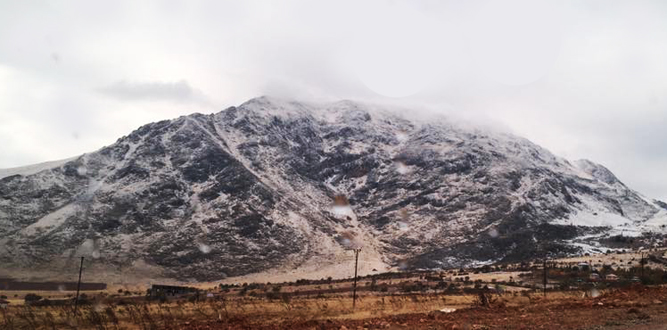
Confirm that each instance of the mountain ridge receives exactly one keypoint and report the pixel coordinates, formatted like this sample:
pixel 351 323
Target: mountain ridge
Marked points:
pixel 252 189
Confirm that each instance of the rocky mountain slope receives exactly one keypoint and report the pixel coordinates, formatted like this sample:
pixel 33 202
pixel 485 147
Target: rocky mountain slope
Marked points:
pixel 274 185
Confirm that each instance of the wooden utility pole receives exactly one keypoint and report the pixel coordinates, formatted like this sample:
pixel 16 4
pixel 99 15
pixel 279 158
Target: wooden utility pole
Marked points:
pixel 78 287
pixel 545 277
pixel 642 262
pixel 354 290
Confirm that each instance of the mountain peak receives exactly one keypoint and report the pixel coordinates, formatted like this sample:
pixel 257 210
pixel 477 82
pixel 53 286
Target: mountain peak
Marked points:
pixel 597 171
pixel 258 188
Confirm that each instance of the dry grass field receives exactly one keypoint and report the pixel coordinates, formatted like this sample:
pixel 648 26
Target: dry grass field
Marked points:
pixel 614 309
pixel 507 298
pixel 173 314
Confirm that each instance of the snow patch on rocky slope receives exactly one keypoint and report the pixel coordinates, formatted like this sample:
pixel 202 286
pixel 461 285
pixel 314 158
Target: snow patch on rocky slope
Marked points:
pixel 255 189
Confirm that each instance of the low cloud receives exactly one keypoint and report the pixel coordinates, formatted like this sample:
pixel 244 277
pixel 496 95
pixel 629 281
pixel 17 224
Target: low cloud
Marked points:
pixel 584 79
pixel 179 91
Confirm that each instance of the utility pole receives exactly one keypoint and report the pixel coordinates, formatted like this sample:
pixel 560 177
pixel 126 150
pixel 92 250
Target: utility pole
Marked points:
pixel 78 287
pixel 642 262
pixel 354 291
pixel 545 277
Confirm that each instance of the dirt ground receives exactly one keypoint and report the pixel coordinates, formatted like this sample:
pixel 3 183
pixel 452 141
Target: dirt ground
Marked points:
pixel 632 308
pixel 636 307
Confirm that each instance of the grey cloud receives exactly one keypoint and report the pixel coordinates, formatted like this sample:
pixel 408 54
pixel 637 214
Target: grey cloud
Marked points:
pixel 602 98
pixel 633 146
pixel 179 91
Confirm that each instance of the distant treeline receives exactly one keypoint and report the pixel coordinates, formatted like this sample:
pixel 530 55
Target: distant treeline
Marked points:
pixel 12 285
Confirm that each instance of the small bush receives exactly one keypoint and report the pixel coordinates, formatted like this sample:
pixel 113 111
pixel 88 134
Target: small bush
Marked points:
pixel 31 298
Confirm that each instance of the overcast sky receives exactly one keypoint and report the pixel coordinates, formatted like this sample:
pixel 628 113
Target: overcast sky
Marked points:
pixel 585 79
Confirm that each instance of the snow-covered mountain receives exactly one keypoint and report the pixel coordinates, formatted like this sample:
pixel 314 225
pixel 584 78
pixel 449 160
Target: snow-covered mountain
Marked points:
pixel 274 185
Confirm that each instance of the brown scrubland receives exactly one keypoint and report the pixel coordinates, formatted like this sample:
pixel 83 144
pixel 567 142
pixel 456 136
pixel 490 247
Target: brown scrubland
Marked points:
pixel 489 297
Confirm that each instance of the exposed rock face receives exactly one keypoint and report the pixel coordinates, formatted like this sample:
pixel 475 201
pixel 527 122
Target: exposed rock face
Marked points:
pixel 251 189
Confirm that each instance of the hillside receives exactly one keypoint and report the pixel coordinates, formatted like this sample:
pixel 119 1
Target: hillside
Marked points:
pixel 282 186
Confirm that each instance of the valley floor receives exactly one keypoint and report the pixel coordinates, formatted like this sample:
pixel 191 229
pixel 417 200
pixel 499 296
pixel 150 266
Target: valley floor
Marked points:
pixel 635 307
pixel 507 297
pixel 639 308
